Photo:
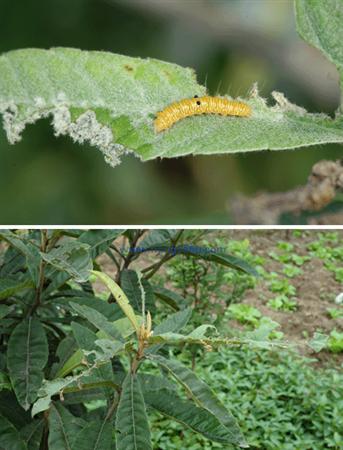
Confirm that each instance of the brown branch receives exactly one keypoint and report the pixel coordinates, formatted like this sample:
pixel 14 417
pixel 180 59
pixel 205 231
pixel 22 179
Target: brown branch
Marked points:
pixel 113 258
pixel 324 182
pixel 112 408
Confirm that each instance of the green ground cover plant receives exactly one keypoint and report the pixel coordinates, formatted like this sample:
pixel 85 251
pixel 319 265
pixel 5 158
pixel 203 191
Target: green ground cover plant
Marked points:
pixel 282 303
pixel 280 401
pixel 330 251
pixel 245 314
pixel 335 313
pixel 335 342
pixel 252 318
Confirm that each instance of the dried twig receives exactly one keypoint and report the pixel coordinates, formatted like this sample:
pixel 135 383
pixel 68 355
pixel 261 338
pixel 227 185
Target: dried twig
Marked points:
pixel 325 180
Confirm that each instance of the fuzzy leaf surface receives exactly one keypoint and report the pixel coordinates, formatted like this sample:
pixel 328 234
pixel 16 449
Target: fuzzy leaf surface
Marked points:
pixel 111 100
pixel 72 257
pixel 95 436
pixel 184 411
pixel 202 395
pixel 131 422
pixel 321 25
pixel 138 290
pixel 63 428
pixel 120 298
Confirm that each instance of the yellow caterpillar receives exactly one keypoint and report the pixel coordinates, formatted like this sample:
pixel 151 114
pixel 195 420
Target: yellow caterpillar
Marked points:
pixel 199 105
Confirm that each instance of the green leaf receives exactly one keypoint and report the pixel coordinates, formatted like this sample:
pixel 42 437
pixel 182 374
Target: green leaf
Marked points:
pixel 202 395
pixel 152 383
pixel 112 100
pixel 138 290
pixel 97 319
pixel 5 310
pixel 172 324
pixel 335 342
pixel 86 340
pixel 185 412
pixel 84 337
pixel 83 396
pixel 72 257
pixel 320 23
pixel 230 261
pixel 169 297
pixel 132 427
pixel 4 382
pixel 107 351
pixel 156 238
pixel 27 356
pixel 197 336
pixel 106 99
pixel 110 310
pixel 95 436
pixel 9 436
pixel 12 410
pixel 63 428
pixel 125 327
pixel 12 262
pixel 120 298
pixel 48 390
pixel 99 240
pixel 32 434
pixel 208 255
pixel 74 361
pixel 7 325
pixel 66 348
pixel 318 342
pixel 9 286
pixel 25 247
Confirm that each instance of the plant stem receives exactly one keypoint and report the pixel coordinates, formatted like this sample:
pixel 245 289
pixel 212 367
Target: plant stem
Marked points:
pixel 112 408
pixel 155 267
pixel 113 247
pixel 113 258
pixel 130 257
pixel 139 355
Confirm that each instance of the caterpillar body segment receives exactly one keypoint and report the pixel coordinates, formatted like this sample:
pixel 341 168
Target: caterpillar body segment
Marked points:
pixel 199 105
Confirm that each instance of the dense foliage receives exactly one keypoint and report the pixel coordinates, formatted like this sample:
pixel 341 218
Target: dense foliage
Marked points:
pixel 279 400
pixel 72 360
pixel 91 361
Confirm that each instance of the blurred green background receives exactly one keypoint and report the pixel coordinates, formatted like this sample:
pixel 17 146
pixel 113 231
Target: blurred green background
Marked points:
pixel 230 44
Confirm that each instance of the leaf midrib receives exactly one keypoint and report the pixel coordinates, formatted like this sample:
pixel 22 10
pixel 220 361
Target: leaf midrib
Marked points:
pixel 28 359
pixel 133 412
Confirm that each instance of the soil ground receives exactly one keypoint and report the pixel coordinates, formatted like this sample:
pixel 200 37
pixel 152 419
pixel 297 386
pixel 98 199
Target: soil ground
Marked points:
pixel 316 290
